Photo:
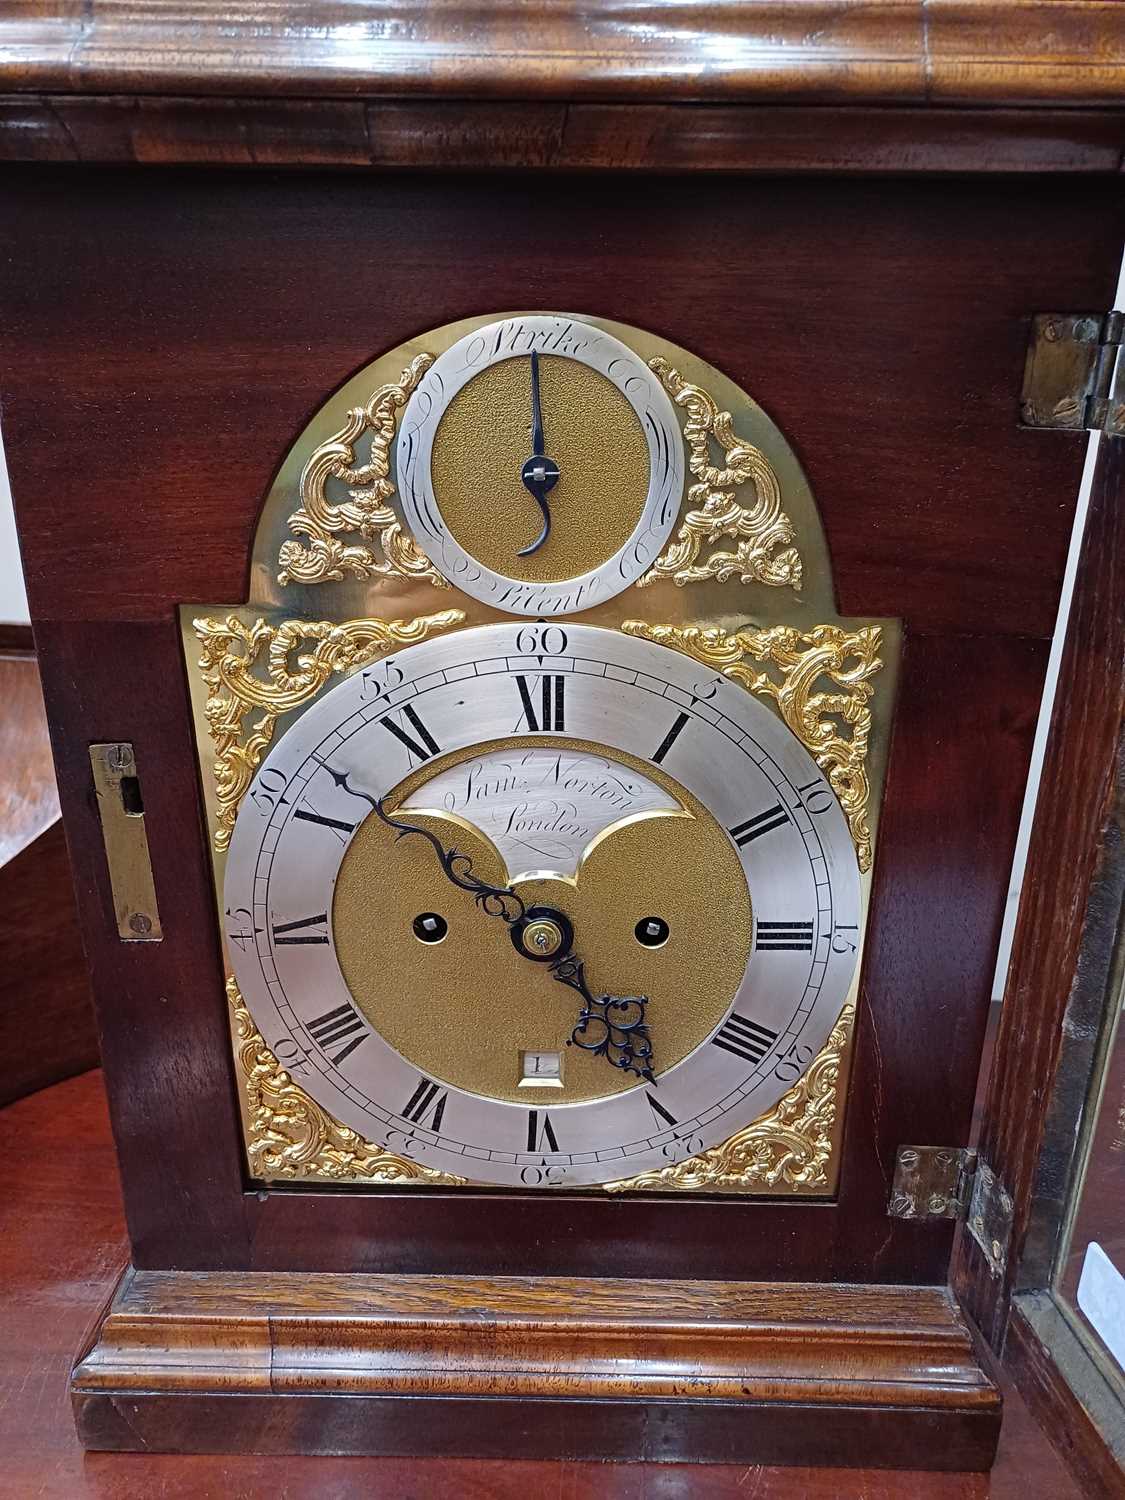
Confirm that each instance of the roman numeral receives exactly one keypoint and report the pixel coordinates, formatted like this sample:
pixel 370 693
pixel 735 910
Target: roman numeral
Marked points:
pixel 332 1027
pixel 553 712
pixel 773 937
pixel 538 1132
pixel 659 1111
pixel 422 747
pixel 293 933
pixel 427 1099
pixel 337 824
pixel 746 1039
pixel 763 822
pixel 670 738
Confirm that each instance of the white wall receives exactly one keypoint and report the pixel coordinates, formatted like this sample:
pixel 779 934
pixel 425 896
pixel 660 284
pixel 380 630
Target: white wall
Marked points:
pixel 13 600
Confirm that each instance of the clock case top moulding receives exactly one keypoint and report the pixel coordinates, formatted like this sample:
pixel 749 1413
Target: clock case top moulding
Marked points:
pixel 744 585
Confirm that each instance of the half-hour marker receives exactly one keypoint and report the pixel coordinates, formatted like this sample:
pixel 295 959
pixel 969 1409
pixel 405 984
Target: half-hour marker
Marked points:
pixel 552 712
pixel 669 739
pixel 310 816
pixel 426 1105
pixel 774 937
pixel 297 932
pixel 659 1111
pixel 763 822
pixel 746 1039
pixel 422 747
pixel 332 1027
pixel 540 1130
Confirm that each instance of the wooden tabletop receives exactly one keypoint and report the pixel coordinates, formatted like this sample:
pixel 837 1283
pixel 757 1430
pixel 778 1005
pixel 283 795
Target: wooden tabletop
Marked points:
pixel 62 1246
pixel 29 799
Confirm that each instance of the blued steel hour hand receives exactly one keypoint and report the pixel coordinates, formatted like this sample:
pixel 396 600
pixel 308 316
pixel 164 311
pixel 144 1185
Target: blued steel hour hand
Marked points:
pixel 539 474
pixel 609 1026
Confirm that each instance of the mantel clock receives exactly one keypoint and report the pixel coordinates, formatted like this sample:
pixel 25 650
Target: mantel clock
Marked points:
pixel 543 862
pixel 542 670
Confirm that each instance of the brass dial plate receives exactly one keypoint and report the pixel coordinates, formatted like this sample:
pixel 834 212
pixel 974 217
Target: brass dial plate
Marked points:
pixel 635 699
pixel 337 494
pixel 466 1009
pixel 592 433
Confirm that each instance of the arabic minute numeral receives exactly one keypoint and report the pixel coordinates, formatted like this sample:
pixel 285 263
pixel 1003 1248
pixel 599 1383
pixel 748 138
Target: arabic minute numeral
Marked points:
pixel 816 796
pixel 380 680
pixel 291 1056
pixel 268 790
pixel 793 1063
pixel 705 691
pixel 247 932
pixel 541 640
pixel 682 1148
pixel 841 941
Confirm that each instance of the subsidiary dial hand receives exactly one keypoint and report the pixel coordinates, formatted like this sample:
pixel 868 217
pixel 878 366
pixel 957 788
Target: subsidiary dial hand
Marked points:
pixel 609 1026
pixel 539 474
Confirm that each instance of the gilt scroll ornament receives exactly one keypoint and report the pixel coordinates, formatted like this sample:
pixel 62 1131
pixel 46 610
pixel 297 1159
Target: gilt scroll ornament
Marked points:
pixel 788 1147
pixel 234 655
pixel 834 725
pixel 759 530
pixel 289 1136
pixel 386 549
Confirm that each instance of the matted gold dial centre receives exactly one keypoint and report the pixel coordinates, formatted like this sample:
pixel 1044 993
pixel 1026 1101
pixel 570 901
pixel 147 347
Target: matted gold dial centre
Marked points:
pixel 591 433
pixel 469 1009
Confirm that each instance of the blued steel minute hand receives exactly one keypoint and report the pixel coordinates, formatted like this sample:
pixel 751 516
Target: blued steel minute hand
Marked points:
pixel 539 474
pixel 609 1026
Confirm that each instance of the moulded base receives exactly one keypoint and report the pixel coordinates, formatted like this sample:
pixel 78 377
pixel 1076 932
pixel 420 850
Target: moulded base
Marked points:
pixel 537 1367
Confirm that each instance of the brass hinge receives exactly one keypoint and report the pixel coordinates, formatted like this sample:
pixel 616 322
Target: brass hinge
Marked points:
pixel 950 1182
pixel 931 1182
pixel 1074 376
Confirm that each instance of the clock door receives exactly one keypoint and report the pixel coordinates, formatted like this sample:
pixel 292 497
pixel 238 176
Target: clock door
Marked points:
pixel 1040 1267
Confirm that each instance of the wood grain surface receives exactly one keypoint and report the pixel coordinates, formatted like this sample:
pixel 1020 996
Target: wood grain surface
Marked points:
pixel 524 1366
pixel 883 326
pixel 62 1246
pixel 543 134
pixel 1069 910
pixel 46 1017
pixel 29 798
pixel 954 51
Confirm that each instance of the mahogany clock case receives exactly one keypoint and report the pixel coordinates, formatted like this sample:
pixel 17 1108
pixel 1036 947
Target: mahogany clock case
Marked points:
pixel 163 337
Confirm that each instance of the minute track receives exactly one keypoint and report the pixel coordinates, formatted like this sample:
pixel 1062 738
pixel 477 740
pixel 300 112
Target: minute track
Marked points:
pixel 738 759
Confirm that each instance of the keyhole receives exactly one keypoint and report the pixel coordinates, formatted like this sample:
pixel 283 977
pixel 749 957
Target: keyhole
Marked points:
pixel 131 797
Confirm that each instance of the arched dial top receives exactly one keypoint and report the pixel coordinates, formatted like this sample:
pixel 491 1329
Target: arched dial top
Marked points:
pixel 684 833
pixel 540 465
